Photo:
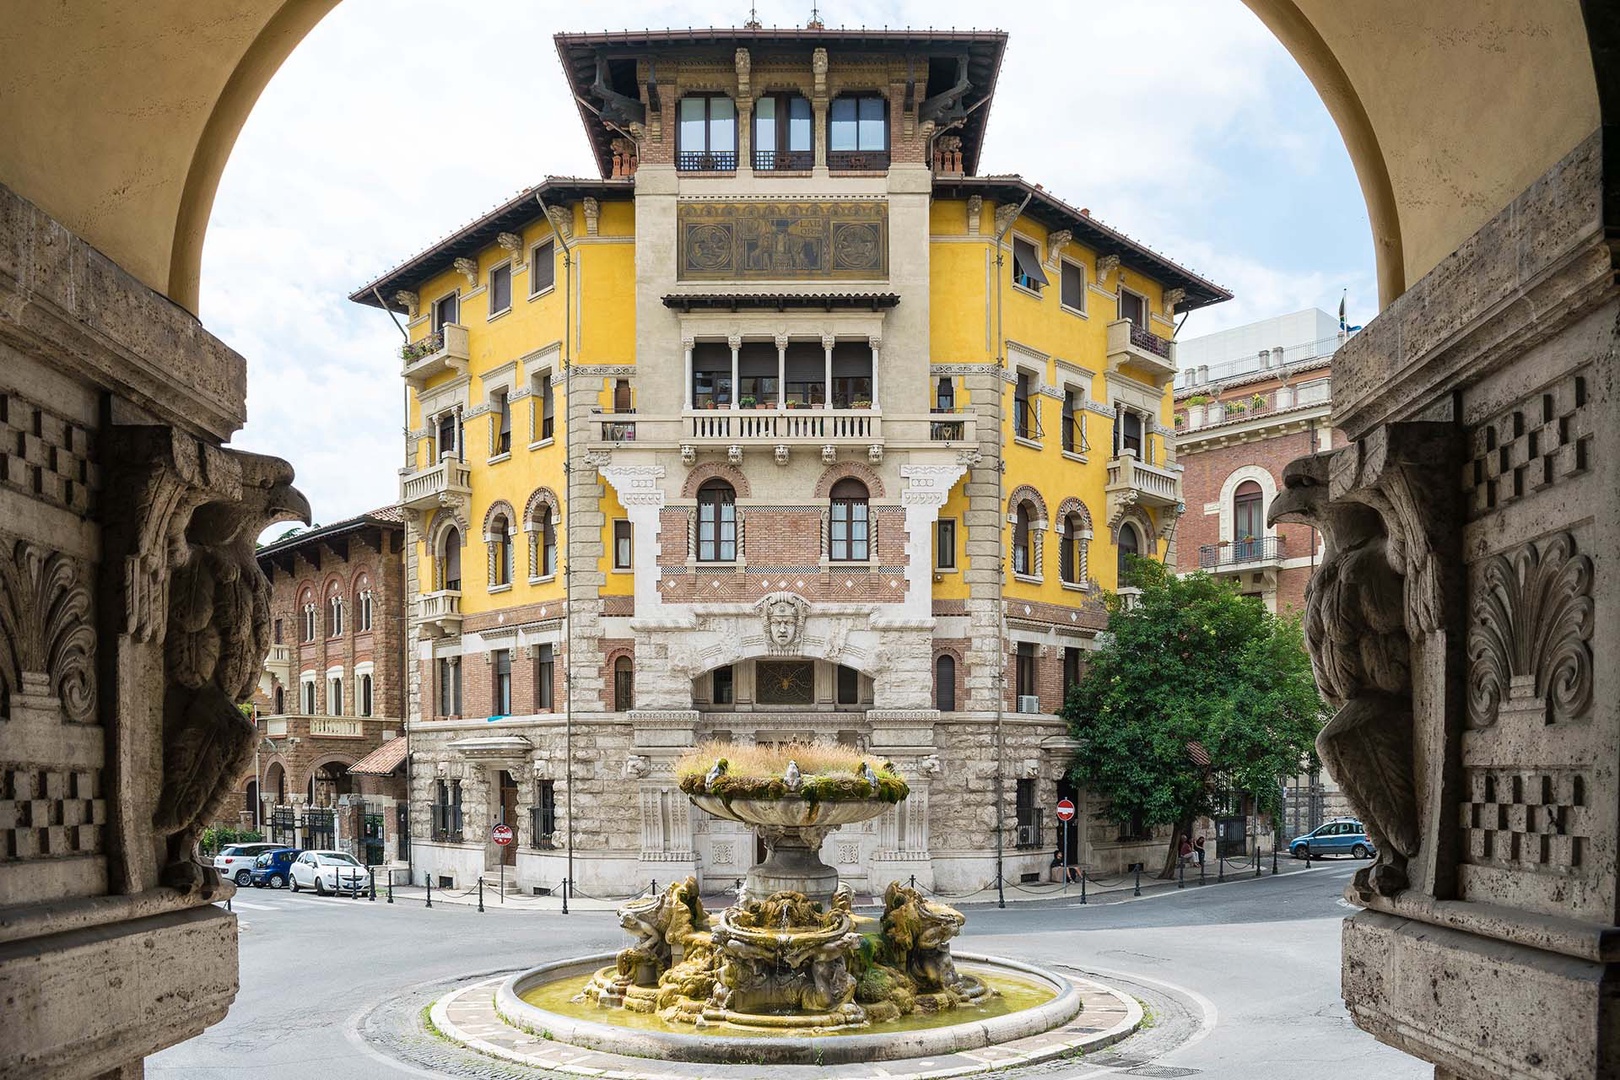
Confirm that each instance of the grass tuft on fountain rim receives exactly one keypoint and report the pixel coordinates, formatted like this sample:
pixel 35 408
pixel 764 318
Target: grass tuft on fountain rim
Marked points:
pixel 826 773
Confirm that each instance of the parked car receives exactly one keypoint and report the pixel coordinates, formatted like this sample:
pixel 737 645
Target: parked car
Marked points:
pixel 1341 836
pixel 235 863
pixel 273 868
pixel 328 872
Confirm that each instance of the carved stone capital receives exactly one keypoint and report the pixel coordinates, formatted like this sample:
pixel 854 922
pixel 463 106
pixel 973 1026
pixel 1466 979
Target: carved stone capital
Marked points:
pixel 468 268
pixel 1106 264
pixel 409 300
pixel 1055 243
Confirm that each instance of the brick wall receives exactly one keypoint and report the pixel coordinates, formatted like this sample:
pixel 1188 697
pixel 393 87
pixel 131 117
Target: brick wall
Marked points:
pixel 1207 470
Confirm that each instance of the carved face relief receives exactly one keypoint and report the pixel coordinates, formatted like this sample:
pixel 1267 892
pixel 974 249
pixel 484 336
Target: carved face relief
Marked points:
pixel 782 623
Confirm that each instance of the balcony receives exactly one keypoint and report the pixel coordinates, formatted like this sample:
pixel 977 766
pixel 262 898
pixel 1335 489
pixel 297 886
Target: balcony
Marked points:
pixel 1147 485
pixel 789 161
pixel 1143 349
pixel 443 350
pixel 440 612
pixel 812 426
pixel 1242 556
pixel 615 428
pixel 336 727
pixel 279 663
pixel 858 160
pixel 437 485
pixel 948 426
pixel 706 161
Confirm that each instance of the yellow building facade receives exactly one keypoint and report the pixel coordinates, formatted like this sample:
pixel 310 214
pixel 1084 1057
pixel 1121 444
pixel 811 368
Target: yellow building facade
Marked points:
pixel 789 426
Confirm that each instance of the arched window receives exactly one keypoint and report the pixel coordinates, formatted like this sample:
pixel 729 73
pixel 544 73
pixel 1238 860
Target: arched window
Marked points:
pixel 548 546
pixel 362 605
pixel 717 522
pixel 450 561
pixel 1248 520
pixel 281 700
pixel 945 683
pixel 848 540
pixel 500 551
pixel 308 603
pixel 334 614
pixel 624 684
pixel 1072 558
pixel 308 686
pixel 1130 543
pixel 1023 542
pixel 706 140
pixel 365 694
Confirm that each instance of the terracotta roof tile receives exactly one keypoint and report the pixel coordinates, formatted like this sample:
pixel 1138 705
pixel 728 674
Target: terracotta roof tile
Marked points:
pixel 381 761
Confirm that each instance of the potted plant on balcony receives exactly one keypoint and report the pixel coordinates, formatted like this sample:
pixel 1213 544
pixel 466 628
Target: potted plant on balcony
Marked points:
pixel 1195 410
pixel 1236 408
pixel 860 403
pixel 747 401
pixel 1257 402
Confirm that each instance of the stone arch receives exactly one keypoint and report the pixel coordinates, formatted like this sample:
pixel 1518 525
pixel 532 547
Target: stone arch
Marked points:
pixel 854 470
pixel 498 508
pixel 541 497
pixel 1072 505
pixel 272 781
pixel 1268 487
pixel 1026 493
pixel 313 770
pixel 442 522
pixel 716 470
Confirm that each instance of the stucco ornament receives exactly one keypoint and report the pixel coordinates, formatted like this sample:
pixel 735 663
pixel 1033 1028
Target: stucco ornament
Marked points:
pixel 784 614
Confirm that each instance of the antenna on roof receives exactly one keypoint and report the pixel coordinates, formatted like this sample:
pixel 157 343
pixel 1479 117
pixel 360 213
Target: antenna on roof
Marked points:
pixel 753 18
pixel 815 22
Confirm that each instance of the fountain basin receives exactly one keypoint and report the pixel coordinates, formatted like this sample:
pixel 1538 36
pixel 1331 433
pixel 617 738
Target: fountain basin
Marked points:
pixel 917 1036
pixel 793 829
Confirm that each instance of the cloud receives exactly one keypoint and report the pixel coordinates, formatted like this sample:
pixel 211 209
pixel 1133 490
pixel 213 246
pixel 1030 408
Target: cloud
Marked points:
pixel 1181 122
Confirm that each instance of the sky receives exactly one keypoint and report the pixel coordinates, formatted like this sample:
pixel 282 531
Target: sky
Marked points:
pixel 1180 122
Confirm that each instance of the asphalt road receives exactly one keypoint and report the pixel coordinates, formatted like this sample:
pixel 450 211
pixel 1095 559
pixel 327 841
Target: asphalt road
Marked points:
pixel 1240 980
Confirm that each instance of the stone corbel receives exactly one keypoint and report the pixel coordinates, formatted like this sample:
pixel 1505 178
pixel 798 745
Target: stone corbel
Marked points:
pixel 744 65
pixel 975 208
pixel 409 301
pixel 1172 300
pixel 688 454
pixel 781 453
pixel 512 244
pixel 1006 214
pixel 1106 264
pixel 1055 243
pixel 734 453
pixel 593 215
pixel 468 268
pixel 562 221
pixel 829 454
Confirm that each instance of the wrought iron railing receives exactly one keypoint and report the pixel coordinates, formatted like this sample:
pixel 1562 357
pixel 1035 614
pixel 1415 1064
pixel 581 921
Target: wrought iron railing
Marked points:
pixel 1240 552
pixel 542 827
pixel 790 161
pixel 1029 827
pixel 1143 338
pixel 446 822
pixel 857 160
pixel 706 161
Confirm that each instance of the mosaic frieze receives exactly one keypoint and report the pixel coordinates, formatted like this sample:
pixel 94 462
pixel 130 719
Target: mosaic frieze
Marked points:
pixel 783 240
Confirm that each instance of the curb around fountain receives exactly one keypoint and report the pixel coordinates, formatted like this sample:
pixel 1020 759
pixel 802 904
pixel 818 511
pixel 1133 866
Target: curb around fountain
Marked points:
pixel 1020 1038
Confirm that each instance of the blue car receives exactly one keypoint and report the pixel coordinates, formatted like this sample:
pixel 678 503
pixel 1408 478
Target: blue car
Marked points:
pixel 1341 836
pixel 270 869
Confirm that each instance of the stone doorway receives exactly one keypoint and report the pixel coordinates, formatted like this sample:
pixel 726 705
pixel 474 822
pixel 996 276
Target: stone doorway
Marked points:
pixel 509 815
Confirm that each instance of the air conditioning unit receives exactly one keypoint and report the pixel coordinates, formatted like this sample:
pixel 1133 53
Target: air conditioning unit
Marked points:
pixel 1029 703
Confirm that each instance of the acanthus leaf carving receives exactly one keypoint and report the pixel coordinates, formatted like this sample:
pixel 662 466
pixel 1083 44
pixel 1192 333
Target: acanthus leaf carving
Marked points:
pixel 46 626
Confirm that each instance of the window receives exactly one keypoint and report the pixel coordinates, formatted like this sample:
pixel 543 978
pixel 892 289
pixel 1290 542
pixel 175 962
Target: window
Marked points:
pixel 1073 668
pixel 276 633
pixel 450 561
pixel 782 133
pixel 1074 422
pixel 624 684
pixel 363 604
pixel 1029 815
pixel 1133 306
pixel 945 395
pixel 623 401
pixel 543 407
pixel 1248 518
pixel 723 685
pixel 945 544
pixel 447 811
pixel 365 695
pixel 707 137
pixel 1026 411
pixel 308 686
pixel 1023 540
pixel 334 616
pixel 446 311
pixel 858 132
pixel 545 675
pixel 1024 675
pixel 447 435
pixel 334 697
pixel 1130 544
pixel 850 528
pixel 501 698
pixel 784 682
pixel 717 522
pixel 449 686
pixel 1072 289
pixel 548 545
pixel 945 683
pixel 542 267
pixel 849 686
pixel 500 289
pixel 543 817
pixel 501 424
pixel 280 701
pixel 500 551
pixel 1127 432
pixel 1072 557
pixel 1026 268
pixel 622 546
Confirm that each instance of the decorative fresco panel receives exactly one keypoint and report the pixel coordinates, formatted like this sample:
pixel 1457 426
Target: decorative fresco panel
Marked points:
pixel 784 240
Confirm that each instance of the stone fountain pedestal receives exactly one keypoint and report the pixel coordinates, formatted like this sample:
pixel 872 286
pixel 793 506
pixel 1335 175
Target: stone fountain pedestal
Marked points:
pixel 793 831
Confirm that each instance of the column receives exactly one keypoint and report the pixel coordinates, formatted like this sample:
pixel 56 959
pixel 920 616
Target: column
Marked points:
pixel 735 341
pixel 781 370
pixel 686 389
pixel 827 341
pixel 877 344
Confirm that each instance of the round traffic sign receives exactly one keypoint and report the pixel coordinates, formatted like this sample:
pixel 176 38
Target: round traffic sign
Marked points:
pixel 501 834
pixel 1065 809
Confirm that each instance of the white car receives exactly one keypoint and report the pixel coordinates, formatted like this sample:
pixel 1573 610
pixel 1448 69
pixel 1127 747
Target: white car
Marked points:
pixel 235 863
pixel 328 872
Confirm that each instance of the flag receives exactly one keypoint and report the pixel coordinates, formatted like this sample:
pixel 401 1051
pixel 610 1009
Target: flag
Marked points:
pixel 1342 299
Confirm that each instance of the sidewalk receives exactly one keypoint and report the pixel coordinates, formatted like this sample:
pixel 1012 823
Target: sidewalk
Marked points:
pixel 1102 891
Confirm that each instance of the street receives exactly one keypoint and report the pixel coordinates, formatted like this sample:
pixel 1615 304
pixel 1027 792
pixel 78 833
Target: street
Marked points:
pixel 1240 981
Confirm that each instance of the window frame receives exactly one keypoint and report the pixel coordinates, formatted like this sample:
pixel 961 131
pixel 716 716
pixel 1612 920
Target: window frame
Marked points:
pixel 707 157
pixel 942 563
pixel 334 695
pixel 490 291
pixel 624 684
pixel 713 497
pixel 500 662
pixel 783 157
pixel 1242 501
pixel 545 677
pixel 436 318
pixel 1027 406
pixel 852 522
pixel 945 683
pixel 501 539
pixel 547 259
pixel 1147 315
pixel 500 423
pixel 1026 674
pixel 729 679
pixel 1027 274
pixel 854 159
pixel 624 544
pixel 365 701
pixel 1064 266
pixel 1023 540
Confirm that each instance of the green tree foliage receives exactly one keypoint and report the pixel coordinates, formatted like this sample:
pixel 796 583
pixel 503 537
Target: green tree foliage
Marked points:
pixel 1192 662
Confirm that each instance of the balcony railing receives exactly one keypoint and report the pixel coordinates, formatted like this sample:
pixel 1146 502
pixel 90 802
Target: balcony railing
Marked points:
pixel 706 161
pixel 336 727
pixel 615 429
pixel 1154 484
pixel 1147 339
pixel 1029 827
pixel 425 488
pixel 858 160
pixel 446 822
pixel 1132 344
pixel 811 425
pixel 445 349
pixel 275 727
pixel 1264 550
pixel 792 161
pixel 947 425
pixel 440 612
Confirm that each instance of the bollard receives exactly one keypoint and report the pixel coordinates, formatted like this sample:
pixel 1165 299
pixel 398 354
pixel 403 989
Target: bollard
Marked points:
pixel 1181 874
pixel 913 882
pixel 1220 868
pixel 430 889
pixel 1200 871
pixel 390 884
pixel 1257 856
pixel 372 871
pixel 1138 868
pixel 654 887
pixel 228 904
pixel 354 886
pixel 480 893
pixel 1082 884
pixel 1273 858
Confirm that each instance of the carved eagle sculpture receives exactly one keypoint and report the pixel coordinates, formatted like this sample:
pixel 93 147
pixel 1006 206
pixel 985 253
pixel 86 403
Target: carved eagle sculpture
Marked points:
pixel 218 636
pixel 1356 633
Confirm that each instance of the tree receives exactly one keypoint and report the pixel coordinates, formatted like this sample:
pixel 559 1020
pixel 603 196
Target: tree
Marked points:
pixel 1192 664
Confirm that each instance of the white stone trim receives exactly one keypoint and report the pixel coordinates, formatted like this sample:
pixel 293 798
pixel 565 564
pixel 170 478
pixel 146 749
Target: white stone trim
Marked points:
pixel 1268 488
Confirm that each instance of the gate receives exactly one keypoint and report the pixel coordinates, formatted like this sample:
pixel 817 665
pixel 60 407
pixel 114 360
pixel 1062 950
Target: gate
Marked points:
pixel 1231 837
pixel 402 832
pixel 320 828
pixel 371 835
pixel 283 825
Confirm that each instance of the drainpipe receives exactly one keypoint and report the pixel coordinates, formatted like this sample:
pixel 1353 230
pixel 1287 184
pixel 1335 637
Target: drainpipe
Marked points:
pixel 1001 605
pixel 568 554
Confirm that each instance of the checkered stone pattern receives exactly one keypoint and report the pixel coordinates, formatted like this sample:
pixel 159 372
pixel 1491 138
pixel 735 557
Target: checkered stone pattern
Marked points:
pixel 46 456
pixel 1542 440
pixel 1535 821
pixel 50 813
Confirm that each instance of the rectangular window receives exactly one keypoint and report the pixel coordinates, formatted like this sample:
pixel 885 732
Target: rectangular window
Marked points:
pixel 722 686
pixel 945 544
pixel 858 122
pixel 1074 422
pixel 502 698
pixel 545 674
pixel 849 686
pixel 1026 412
pixel 1027 265
pixel 945 395
pixel 1072 669
pixel 1128 433
pixel 1073 287
pixel 365 695
pixel 277 636
pixel 334 697
pixel 449 686
pixel 1025 674
pixel 500 289
pixel 621 545
pixel 503 423
pixel 446 311
pixel 543 414
pixel 707 133
pixel 447 435
pixel 544 824
pixel 542 267
pixel 1029 815
pixel 782 133
pixel 1133 306
pixel 365 611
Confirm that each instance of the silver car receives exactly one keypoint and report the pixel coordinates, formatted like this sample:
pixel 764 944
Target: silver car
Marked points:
pixel 328 872
pixel 235 863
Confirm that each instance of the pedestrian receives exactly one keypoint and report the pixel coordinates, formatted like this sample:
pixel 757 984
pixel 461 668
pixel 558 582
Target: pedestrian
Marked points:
pixel 1186 850
pixel 1198 849
pixel 1070 871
